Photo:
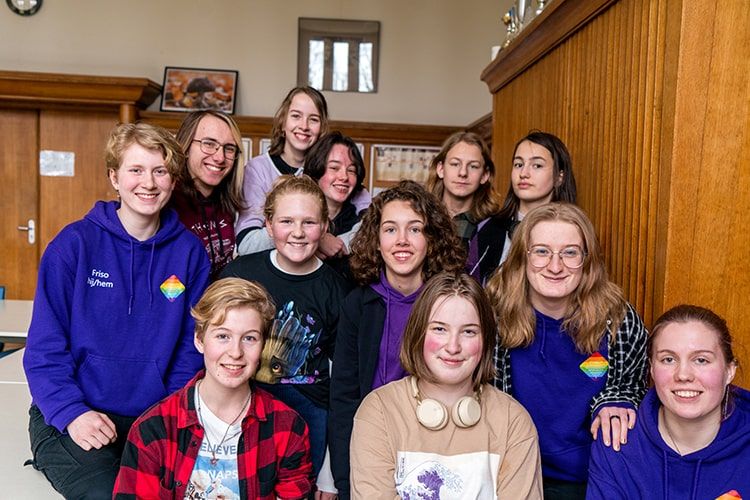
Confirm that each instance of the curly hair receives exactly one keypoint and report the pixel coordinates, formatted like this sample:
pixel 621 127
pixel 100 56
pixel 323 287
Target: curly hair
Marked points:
pixel 562 165
pixel 445 252
pixel 485 201
pixel 277 131
pixel 230 189
pixel 595 302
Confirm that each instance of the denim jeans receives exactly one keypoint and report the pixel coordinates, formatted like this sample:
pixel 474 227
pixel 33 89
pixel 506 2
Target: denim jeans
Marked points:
pixel 314 416
pixel 73 472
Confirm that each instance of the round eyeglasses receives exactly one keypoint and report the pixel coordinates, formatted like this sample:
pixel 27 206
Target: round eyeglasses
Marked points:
pixel 541 256
pixel 210 146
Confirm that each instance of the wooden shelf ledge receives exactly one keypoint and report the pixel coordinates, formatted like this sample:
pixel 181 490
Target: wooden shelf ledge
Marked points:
pixel 37 89
pixel 559 20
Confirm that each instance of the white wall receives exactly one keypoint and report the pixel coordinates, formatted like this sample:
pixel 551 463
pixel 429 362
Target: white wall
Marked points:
pixel 432 51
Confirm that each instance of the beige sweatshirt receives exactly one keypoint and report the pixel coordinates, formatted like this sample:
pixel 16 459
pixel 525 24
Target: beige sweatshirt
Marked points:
pixel 394 456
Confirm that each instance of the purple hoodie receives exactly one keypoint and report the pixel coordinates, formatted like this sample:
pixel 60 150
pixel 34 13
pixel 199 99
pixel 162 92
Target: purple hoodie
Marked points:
pixel 111 328
pixel 647 468
pixel 397 309
pixel 551 381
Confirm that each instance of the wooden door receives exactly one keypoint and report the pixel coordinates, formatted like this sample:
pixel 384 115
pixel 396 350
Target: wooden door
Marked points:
pixel 19 154
pixel 63 200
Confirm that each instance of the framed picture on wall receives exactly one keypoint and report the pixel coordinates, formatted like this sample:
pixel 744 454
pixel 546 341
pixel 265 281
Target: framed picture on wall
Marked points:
pixel 392 163
pixel 191 89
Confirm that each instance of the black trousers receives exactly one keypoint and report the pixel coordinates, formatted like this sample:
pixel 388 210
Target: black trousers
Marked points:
pixel 73 472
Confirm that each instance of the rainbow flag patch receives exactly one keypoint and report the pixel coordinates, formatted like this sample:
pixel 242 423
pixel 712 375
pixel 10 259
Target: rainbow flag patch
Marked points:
pixel 172 288
pixel 595 366
pixel 730 495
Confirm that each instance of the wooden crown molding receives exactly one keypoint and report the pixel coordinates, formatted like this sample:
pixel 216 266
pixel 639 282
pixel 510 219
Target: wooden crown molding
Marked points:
pixel 559 20
pixel 38 89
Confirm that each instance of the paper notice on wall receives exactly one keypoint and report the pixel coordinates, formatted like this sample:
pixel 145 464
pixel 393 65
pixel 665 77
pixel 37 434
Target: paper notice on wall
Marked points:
pixel 57 163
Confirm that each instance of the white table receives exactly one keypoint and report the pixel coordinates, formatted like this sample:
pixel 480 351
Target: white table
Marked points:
pixel 11 370
pixel 17 481
pixel 15 317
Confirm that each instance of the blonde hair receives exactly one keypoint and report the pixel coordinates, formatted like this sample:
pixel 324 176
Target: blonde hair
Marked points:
pixel 290 184
pixel 594 303
pixel 229 293
pixel 151 137
pixel 230 189
pixel 485 201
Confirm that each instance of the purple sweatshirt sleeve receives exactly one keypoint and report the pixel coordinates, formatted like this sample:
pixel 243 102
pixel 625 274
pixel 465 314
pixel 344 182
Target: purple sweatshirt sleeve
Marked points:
pixel 47 360
pixel 187 360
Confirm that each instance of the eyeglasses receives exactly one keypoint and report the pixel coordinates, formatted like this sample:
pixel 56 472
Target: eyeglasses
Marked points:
pixel 210 146
pixel 540 256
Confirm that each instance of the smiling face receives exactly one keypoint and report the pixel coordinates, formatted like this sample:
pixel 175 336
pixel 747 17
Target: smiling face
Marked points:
pixel 551 287
pixel 453 342
pixel 533 175
pixel 231 351
pixel 402 244
pixel 296 227
pixel 690 371
pixel 143 183
pixel 462 172
pixel 301 126
pixel 339 179
pixel 208 170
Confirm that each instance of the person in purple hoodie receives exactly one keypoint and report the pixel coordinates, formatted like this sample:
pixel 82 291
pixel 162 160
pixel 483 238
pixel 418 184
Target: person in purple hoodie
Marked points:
pixel 111 332
pixel 572 350
pixel 406 238
pixel 691 439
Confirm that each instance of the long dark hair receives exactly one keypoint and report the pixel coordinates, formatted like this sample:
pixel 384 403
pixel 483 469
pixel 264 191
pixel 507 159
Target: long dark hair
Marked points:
pixel 565 191
pixel 316 159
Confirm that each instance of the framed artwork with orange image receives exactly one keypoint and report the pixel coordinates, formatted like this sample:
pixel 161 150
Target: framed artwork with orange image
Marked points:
pixel 191 89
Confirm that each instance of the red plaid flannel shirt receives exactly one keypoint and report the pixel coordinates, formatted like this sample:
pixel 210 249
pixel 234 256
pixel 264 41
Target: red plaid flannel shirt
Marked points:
pixel 273 454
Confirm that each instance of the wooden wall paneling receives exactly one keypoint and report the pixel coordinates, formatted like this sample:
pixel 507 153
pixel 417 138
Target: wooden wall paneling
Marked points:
pixel 653 99
pixel 18 201
pixel 66 199
pixel 708 238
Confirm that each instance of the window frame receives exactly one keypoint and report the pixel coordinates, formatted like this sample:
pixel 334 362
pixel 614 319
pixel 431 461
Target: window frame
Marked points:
pixel 329 31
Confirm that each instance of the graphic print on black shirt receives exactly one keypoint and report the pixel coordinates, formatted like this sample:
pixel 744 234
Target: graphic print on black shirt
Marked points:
pixel 287 352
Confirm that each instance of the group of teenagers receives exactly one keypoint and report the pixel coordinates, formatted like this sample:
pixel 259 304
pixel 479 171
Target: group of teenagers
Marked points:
pixel 269 330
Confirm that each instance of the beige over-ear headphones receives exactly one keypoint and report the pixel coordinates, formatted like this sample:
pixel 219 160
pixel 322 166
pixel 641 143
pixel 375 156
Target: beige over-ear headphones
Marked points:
pixel 433 415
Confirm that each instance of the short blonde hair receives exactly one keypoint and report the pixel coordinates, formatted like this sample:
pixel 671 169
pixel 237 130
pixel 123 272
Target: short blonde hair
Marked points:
pixel 151 137
pixel 290 184
pixel 229 293
pixel 440 287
